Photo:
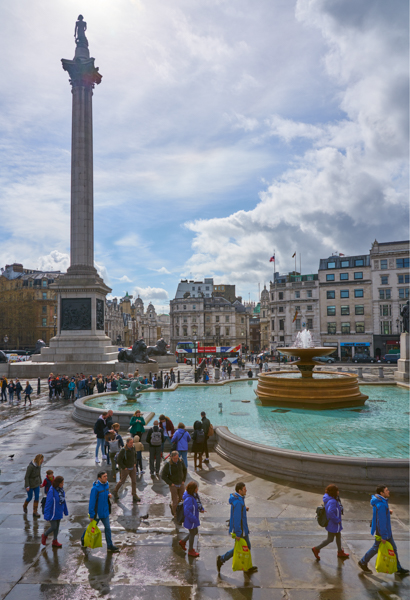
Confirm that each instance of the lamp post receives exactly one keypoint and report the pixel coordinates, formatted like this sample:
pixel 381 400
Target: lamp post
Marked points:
pixel 55 324
pixel 398 325
pixel 195 350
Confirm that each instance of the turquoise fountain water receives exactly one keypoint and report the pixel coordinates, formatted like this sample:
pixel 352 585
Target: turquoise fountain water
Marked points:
pixel 379 429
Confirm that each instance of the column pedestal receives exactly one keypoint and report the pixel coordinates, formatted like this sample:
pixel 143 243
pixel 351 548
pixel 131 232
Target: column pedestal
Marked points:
pixel 403 364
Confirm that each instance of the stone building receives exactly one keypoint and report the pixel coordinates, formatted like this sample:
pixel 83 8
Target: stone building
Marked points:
pixel 28 307
pixel 114 322
pixel 294 305
pixel 264 318
pixel 345 292
pixel 390 290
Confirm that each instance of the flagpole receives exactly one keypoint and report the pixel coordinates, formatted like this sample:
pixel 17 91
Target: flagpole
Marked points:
pixel 295 263
pixel 300 263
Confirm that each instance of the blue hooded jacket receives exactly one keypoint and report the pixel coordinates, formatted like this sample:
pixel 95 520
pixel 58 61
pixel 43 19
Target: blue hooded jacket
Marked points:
pixel 181 437
pixel 238 522
pixel 333 513
pixel 102 490
pixel 381 517
pixel 191 511
pixel 53 510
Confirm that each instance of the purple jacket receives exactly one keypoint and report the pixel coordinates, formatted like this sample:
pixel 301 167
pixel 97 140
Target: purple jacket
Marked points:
pixel 333 513
pixel 191 511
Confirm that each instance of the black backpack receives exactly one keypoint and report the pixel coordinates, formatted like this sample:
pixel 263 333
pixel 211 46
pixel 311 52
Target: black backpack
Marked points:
pixel 200 436
pixel 179 513
pixel 321 516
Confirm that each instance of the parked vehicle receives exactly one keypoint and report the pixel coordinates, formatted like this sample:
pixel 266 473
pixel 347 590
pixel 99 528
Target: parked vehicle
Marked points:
pixel 363 358
pixel 325 359
pixel 391 358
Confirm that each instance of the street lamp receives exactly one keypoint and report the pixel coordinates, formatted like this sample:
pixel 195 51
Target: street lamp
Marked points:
pixel 195 349
pixel 55 324
pixel 6 339
pixel 398 325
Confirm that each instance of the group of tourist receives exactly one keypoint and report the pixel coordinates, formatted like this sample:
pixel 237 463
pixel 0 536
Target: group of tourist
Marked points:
pixel 14 390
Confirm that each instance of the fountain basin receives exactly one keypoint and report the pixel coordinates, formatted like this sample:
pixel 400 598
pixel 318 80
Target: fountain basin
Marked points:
pixel 331 391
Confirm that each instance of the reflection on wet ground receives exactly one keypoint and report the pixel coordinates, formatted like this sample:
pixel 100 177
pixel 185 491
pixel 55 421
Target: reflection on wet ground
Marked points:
pixel 151 564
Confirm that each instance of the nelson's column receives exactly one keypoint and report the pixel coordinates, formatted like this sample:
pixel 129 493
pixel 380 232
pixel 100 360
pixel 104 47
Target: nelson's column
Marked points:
pixel 81 338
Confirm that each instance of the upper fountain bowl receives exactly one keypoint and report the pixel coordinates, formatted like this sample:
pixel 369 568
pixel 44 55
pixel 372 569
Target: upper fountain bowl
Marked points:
pixel 306 355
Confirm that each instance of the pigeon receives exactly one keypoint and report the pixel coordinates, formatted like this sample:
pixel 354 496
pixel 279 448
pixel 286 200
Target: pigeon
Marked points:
pixel 11 456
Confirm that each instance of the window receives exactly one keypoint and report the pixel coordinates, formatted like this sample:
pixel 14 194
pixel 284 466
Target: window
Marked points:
pixel 381 294
pixel 193 319
pixel 331 328
pixel 402 263
pixel 309 307
pixel 273 323
pixel 226 330
pixel 217 318
pixel 226 318
pixel 45 295
pixel 282 324
pixel 297 308
pixel 44 282
pixel 280 295
pixel 297 324
pixel 185 329
pixel 388 294
pixel 383 264
pixel 207 288
pixel 344 276
pixel 184 307
pixel 297 294
pixel 263 314
pixel 242 319
pixel 330 277
pixel 344 264
pixel 359 262
pixel 272 297
pixel 280 309
pixel 44 321
pixel 194 307
pixel 403 292
pixel 44 309
pixel 359 326
pixel 282 338
pixel 207 319
pixel 358 275
pixel 309 294
pixel 344 310
pixel 309 277
pixel 177 331
pixel 208 333
pixel 404 279
pixel 331 295
pixel 344 293
pixel 384 280
pixel 185 320
pixel 331 311
pixel 331 265
pixel 385 310
pixel 359 309
pixel 194 331
pixel 193 288
pixel 345 327
pixel 385 327
pixel 310 323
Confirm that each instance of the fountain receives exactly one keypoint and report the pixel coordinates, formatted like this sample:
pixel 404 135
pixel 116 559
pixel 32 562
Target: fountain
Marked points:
pixel 307 389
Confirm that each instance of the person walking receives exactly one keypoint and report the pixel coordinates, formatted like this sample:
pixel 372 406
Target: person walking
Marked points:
pixel 99 508
pixel 4 384
pixel 99 430
pixel 115 444
pixel 381 526
pixel 174 474
pixel 191 517
pixel 32 482
pixel 11 388
pixel 198 441
pixel 206 425
pixel 155 439
pixel 27 393
pixel 54 510
pixel 71 388
pixel 137 424
pixel 181 439
pixel 18 390
pixel 167 425
pixel 229 370
pixel 334 511
pixel 238 524
pixel 127 459
pixel 139 449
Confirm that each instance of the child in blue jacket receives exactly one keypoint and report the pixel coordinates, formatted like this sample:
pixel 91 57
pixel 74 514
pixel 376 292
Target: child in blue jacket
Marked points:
pixel 192 506
pixel 55 509
pixel 334 512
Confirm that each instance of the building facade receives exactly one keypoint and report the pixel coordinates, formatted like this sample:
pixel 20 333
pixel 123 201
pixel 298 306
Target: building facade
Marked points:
pixel 390 290
pixel 345 298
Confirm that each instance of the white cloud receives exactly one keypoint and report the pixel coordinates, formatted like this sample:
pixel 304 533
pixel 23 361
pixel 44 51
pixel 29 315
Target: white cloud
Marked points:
pixel 150 293
pixel 125 279
pixel 163 271
pixel 55 261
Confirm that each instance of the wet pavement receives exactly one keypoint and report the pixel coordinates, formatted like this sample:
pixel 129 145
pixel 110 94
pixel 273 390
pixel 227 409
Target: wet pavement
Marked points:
pixel 151 564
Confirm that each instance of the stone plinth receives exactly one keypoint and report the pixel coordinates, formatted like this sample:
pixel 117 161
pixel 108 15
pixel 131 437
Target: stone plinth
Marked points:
pixel 403 364
pixel 143 368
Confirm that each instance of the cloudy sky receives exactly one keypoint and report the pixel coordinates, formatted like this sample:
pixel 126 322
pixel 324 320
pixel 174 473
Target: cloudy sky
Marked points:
pixel 223 130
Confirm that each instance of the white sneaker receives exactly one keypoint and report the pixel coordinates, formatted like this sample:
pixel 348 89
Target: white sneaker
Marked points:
pixel 97 460
pixel 104 457
pixel 142 472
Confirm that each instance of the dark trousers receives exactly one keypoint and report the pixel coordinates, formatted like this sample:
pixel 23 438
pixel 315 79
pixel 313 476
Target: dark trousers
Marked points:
pixel 25 398
pixel 54 527
pixel 154 456
pixel 206 447
pixel 191 536
pixel 329 540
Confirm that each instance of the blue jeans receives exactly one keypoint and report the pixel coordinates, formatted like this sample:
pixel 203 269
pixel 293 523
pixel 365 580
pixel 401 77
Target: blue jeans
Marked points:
pixel 184 455
pixel 374 550
pixel 36 492
pixel 100 444
pixel 107 530
pixel 228 555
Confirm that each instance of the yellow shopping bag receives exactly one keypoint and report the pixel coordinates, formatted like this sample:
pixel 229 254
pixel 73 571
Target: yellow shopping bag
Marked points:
pixel 242 560
pixel 93 537
pixel 386 561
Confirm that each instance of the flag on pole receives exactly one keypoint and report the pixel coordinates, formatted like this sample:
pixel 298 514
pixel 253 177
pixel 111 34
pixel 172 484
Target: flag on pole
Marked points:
pixel 295 317
pixel 272 258
pixel 340 254
pixel 293 255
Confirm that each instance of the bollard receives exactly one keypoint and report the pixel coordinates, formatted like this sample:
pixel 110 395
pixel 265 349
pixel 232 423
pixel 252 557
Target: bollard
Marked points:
pixel 381 374
pixel 38 385
pixel 360 372
pixel 278 368
pixel 161 374
pixel 339 368
pixel 220 406
pixel 237 374
pixel 179 377
pixel 150 377
pixel 217 374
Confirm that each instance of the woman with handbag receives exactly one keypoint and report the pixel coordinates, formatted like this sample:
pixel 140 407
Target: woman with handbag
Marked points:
pixel 137 424
pixel 55 509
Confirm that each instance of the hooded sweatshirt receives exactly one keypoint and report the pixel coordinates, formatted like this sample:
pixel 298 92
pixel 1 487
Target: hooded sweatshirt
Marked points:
pixel 100 490
pixel 238 522
pixel 333 513
pixel 381 517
